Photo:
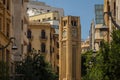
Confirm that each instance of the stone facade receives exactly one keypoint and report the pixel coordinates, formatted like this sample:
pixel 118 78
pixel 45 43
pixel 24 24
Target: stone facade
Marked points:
pixel 70 48
pixel 37 7
pixel 20 24
pixel 6 32
pixel 41 39
pixel 101 33
pixel 85 45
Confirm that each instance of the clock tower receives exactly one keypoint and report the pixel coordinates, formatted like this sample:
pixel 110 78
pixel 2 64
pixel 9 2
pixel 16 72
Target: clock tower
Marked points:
pixel 70 48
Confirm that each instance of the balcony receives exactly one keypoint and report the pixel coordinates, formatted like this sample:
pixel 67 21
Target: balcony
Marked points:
pixel 43 38
pixel 43 52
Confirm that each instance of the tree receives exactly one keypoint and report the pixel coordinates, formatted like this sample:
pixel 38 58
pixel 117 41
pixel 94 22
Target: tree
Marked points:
pixel 34 67
pixel 105 65
pixel 4 71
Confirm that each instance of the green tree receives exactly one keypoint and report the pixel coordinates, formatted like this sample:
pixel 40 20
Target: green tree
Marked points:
pixel 34 67
pixel 105 65
pixel 4 71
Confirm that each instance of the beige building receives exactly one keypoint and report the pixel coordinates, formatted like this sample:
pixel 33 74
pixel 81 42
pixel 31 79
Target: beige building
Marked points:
pixel 36 7
pixel 41 39
pixel 70 48
pixel 45 17
pixel 20 24
pixel 113 21
pixel 6 32
pixel 101 33
pixel 85 45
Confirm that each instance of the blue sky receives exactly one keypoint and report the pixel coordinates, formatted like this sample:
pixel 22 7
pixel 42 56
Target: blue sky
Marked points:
pixel 82 8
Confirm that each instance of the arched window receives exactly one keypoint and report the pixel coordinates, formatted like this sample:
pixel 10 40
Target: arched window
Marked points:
pixel 43 47
pixel 43 34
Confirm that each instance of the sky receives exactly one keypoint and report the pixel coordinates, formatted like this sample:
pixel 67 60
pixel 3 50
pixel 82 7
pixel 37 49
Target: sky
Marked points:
pixel 82 8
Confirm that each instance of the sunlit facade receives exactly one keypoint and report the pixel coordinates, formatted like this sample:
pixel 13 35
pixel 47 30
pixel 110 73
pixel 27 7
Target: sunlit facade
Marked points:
pixel 70 48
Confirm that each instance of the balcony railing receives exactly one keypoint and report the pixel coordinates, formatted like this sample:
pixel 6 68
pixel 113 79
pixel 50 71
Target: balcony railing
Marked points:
pixel 43 38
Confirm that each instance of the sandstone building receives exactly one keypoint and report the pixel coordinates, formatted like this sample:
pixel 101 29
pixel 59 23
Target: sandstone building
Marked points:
pixel 70 48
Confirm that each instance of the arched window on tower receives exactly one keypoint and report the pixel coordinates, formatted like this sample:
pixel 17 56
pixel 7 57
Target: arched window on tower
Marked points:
pixel 43 34
pixel 43 47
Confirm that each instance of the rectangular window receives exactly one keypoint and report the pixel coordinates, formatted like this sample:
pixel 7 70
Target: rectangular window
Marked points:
pixel 8 5
pixel 22 24
pixel 4 1
pixel 64 23
pixel 0 24
pixel 7 30
pixel 55 18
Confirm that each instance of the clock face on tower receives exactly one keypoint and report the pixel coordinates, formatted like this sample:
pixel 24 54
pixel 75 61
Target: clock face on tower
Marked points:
pixel 74 33
pixel 64 34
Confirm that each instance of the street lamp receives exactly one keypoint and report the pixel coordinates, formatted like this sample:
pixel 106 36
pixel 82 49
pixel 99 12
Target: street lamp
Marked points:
pixel 113 21
pixel 14 47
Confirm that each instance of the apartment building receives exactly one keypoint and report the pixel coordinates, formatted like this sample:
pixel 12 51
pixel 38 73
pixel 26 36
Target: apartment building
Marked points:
pixel 36 7
pixel 101 30
pixel 41 39
pixel 92 35
pixel 101 33
pixel 6 32
pixel 20 22
pixel 85 45
pixel 112 20
pixel 50 17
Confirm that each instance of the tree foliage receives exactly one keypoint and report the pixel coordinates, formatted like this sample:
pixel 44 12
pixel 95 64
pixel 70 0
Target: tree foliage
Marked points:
pixel 4 71
pixel 105 65
pixel 34 67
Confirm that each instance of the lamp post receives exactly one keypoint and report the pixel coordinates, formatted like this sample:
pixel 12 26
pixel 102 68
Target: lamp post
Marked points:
pixel 2 48
pixel 113 21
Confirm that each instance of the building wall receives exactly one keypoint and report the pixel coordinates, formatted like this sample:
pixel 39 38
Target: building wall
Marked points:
pixel 70 48
pixel 101 33
pixel 20 27
pixel 118 11
pixel 92 35
pixel 6 29
pixel 85 45
pixel 45 17
pixel 35 7
pixel 37 40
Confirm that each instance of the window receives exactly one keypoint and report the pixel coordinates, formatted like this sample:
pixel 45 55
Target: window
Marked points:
pixel 58 57
pixel 43 47
pixel 64 23
pixel 43 19
pixel 49 18
pixel 43 34
pixel 57 44
pixel 4 1
pixel 53 49
pixel 48 10
pixel 73 23
pixel 29 34
pixel 8 4
pixel 22 24
pixel 22 48
pixel 7 30
pixel 55 18
pixel 39 20
pixel 0 24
